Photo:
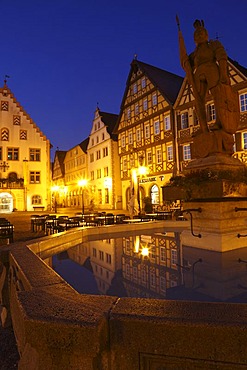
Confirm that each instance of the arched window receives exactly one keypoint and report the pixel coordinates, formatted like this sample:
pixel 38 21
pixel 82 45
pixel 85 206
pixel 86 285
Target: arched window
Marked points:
pixel 155 194
pixel 12 176
pixel 4 134
pixel 36 199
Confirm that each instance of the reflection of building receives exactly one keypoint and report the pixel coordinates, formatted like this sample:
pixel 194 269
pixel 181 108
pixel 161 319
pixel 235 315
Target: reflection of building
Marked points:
pixel 24 158
pixel 149 264
pixel 105 256
pixel 146 129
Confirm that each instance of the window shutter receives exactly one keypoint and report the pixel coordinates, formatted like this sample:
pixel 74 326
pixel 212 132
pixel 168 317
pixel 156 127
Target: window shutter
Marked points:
pixel 238 141
pixel 179 121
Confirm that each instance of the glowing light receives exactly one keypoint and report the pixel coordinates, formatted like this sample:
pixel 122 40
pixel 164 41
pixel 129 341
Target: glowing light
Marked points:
pixel 82 182
pixel 137 244
pixel 145 251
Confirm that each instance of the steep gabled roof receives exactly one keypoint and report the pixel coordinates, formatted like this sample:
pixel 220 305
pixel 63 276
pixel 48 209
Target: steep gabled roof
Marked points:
pixel 166 82
pixel 242 69
pixel 110 120
pixel 60 155
pixel 84 145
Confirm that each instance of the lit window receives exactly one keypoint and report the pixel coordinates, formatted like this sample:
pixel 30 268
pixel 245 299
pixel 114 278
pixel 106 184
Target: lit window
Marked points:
pixel 156 128
pixel 143 83
pixel 243 102
pixel 108 258
pixel 186 153
pixel 125 164
pixel 123 141
pixel 128 113
pixel 184 120
pixel 98 154
pixel 145 104
pixel 130 138
pixel 170 153
pixel 154 99
pixel 152 279
pixel 105 151
pixel 147 131
pixel 100 196
pixel 106 195
pixel 244 140
pixel 99 173
pixel 174 257
pixel 34 177
pixel 138 135
pixel 36 199
pixel 162 254
pixel 162 283
pixel 135 88
pixel 167 123
pixel 106 171
pixel 13 154
pixel 159 156
pixel 136 109
pixel 211 112
pixel 34 155
pixel 149 158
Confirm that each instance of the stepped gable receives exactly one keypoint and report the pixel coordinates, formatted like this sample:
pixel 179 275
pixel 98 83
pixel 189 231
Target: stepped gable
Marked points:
pixel 3 91
pixel 110 120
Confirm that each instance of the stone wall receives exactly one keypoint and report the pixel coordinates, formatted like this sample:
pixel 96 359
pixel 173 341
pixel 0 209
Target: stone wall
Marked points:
pixel 57 328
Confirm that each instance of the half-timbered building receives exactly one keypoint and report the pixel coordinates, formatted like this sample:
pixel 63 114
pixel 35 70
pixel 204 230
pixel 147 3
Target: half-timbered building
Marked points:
pixel 146 133
pixel 187 123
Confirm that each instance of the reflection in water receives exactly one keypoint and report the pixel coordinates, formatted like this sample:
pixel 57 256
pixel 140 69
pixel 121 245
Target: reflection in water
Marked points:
pixel 154 266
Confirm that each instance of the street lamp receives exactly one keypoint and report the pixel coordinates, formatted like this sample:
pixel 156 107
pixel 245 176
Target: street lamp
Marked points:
pixel 82 183
pixel 54 189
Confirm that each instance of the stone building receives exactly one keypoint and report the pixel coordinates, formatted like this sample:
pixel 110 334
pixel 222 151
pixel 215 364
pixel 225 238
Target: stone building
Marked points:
pixel 24 158
pixel 146 136
pixel 104 186
pixel 75 167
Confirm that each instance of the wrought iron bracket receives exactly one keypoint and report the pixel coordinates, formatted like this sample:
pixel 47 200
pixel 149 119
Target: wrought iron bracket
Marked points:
pixel 188 211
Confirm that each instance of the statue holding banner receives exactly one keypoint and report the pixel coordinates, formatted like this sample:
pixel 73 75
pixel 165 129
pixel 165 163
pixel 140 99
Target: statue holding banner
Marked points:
pixel 207 71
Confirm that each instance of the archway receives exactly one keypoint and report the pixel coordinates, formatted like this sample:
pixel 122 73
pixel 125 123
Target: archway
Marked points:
pixel 155 197
pixel 6 203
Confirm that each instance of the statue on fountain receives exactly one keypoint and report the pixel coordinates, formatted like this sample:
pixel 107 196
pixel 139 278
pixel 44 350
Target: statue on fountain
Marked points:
pixel 207 71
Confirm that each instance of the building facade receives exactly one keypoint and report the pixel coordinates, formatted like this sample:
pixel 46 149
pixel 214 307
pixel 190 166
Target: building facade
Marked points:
pixel 146 134
pixel 103 163
pixel 25 173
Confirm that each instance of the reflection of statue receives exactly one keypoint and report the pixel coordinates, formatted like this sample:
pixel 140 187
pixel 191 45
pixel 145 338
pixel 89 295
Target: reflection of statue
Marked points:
pixel 206 69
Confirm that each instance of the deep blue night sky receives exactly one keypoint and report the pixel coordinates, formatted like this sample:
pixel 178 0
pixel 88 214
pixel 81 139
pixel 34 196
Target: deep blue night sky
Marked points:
pixel 65 56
